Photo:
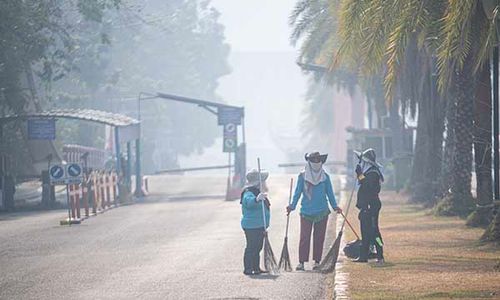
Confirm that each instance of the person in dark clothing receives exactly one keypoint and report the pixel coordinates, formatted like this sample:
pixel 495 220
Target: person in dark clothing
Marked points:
pixel 370 178
pixel 252 220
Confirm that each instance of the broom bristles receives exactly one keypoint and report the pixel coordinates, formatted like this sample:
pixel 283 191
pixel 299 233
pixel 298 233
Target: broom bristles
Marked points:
pixel 285 263
pixel 328 263
pixel 269 259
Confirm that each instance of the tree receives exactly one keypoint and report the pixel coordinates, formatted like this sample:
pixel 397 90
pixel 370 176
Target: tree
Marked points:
pixel 377 36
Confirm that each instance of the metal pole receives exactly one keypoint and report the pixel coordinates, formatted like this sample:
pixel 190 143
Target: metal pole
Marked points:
pixel 229 169
pixel 69 206
pixel 496 159
pixel 129 164
pixel 243 127
pixel 117 152
pixel 138 179
pixel 139 107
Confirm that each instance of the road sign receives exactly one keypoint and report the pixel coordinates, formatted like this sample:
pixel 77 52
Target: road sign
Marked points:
pixel 41 129
pixel 230 138
pixel 74 174
pixel 57 175
pixel 226 115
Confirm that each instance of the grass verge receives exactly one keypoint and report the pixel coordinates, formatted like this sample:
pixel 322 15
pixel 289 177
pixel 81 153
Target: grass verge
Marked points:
pixel 427 257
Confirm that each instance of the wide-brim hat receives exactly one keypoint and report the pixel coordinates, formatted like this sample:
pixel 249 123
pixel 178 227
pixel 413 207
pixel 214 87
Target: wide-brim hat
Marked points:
pixel 368 155
pixel 322 157
pixel 253 176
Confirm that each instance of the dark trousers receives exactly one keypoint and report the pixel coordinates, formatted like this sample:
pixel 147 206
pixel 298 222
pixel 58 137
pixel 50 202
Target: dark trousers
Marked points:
pixel 255 241
pixel 370 232
pixel 306 227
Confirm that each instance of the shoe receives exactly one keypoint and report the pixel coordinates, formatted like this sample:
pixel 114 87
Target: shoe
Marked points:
pixel 380 262
pixel 316 266
pixel 300 267
pixel 260 271
pixel 248 272
pixel 359 260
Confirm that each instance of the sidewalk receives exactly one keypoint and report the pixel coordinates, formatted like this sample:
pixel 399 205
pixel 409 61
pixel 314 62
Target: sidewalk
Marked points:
pixel 427 257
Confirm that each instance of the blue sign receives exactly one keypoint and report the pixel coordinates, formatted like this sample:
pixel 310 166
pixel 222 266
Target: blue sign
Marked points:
pixel 74 170
pixel 56 172
pixel 227 115
pixel 41 129
pixel 57 175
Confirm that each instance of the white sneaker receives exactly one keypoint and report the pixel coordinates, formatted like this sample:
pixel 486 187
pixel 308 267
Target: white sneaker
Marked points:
pixel 300 267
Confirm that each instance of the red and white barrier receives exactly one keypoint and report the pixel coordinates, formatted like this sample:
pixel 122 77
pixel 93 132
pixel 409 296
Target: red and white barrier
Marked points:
pixel 74 200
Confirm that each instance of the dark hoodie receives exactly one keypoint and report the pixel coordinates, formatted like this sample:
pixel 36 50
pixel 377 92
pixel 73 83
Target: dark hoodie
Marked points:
pixel 369 189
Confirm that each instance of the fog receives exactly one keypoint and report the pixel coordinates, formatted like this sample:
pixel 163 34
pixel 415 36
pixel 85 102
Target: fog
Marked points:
pixel 234 52
pixel 265 79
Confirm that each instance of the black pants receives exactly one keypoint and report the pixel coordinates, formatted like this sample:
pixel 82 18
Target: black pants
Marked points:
pixel 255 241
pixel 370 233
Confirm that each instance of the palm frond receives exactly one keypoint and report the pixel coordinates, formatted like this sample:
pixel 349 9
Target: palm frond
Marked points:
pixel 456 40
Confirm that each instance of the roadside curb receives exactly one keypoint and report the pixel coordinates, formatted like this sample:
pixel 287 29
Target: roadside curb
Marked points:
pixel 340 286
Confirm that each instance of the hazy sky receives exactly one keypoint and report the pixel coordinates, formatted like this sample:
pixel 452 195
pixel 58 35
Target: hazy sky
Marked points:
pixel 256 25
pixel 264 78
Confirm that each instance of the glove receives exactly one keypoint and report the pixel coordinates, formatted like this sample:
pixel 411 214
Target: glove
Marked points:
pixel 359 171
pixel 261 197
pixel 289 209
pixel 338 210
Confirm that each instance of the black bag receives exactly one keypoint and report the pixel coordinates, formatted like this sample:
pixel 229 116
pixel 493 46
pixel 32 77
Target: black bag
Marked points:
pixel 353 249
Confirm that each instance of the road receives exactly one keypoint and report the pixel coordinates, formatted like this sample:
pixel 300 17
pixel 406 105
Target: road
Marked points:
pixel 183 242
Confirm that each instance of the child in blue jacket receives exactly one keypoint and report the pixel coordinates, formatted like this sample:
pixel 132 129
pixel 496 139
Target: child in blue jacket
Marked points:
pixel 252 221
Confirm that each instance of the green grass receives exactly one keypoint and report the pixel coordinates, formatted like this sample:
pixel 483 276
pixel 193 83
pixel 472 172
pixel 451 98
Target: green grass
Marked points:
pixel 461 295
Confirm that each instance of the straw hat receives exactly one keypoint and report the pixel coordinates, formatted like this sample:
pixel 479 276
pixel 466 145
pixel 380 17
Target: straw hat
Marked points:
pixel 253 176
pixel 316 156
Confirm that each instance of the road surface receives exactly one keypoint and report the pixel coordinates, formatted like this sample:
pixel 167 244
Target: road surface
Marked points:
pixel 184 242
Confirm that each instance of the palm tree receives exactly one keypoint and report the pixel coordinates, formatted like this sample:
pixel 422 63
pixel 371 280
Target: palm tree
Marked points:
pixel 374 37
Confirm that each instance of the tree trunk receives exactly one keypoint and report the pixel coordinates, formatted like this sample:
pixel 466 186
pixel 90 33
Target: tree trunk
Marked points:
pixel 492 233
pixel 459 201
pixel 435 133
pixel 449 147
pixel 417 180
pixel 482 150
pixel 426 171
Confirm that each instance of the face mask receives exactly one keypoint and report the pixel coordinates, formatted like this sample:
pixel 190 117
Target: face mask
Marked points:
pixel 316 166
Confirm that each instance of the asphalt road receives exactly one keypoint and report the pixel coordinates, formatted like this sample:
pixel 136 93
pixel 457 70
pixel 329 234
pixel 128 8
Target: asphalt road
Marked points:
pixel 184 242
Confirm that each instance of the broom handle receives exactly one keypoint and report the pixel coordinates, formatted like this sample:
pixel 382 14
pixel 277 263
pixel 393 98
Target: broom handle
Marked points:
pixel 348 205
pixel 260 188
pixel 350 226
pixel 289 202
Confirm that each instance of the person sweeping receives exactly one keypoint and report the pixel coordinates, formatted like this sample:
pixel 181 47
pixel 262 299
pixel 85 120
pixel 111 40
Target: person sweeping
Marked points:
pixel 252 220
pixel 370 178
pixel 315 189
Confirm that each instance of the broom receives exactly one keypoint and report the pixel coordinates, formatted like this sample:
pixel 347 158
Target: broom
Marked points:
pixel 328 263
pixel 269 260
pixel 285 263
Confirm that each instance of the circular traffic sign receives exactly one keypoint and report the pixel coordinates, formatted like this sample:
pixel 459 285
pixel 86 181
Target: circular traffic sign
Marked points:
pixel 74 170
pixel 56 172
pixel 230 127
pixel 230 143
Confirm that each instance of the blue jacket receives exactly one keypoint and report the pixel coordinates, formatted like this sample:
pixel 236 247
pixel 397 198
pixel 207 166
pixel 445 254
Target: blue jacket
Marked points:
pixel 252 212
pixel 318 204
